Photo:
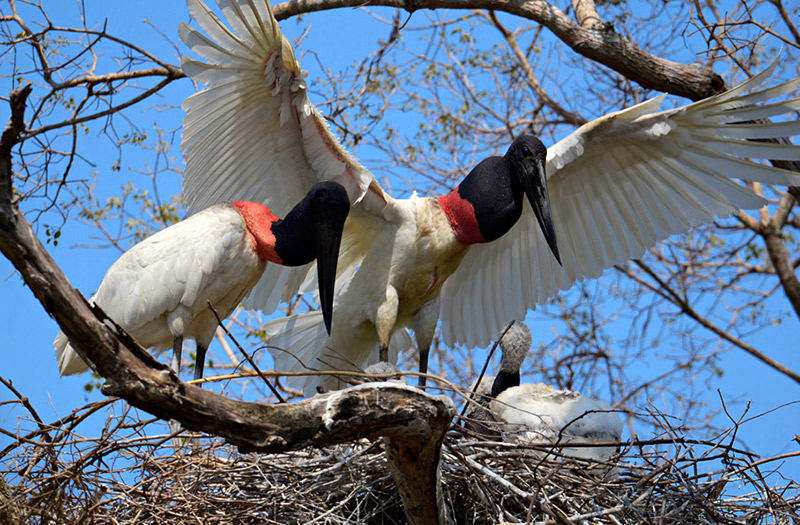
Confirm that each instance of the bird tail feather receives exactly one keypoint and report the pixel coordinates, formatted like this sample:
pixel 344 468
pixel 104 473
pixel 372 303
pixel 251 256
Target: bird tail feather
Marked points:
pixel 69 362
pixel 299 343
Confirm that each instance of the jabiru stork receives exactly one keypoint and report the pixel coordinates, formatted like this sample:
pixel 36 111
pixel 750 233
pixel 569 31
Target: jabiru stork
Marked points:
pixel 539 413
pixel 158 290
pixel 515 343
pixel 472 258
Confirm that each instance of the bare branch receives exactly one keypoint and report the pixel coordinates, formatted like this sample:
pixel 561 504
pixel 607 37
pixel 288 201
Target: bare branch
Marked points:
pixel 567 115
pixel 665 291
pixel 607 47
pixel 787 19
pixel 586 14
pixel 780 257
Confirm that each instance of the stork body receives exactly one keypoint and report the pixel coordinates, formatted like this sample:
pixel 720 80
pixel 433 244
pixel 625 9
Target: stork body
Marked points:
pixel 411 258
pixel 539 413
pixel 617 186
pixel 412 255
pixel 158 290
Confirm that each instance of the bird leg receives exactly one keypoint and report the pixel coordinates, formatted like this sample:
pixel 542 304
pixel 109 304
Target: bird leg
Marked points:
pixel 177 349
pixel 386 318
pixel 200 362
pixel 423 365
pixel 425 321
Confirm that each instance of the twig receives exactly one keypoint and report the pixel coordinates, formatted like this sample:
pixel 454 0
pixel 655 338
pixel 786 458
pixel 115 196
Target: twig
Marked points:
pixel 245 354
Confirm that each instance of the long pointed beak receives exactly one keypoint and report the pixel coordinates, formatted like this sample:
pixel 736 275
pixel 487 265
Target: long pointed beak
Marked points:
pixel 328 238
pixel 535 186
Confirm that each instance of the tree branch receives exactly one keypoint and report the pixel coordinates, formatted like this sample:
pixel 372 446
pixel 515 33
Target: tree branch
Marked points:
pixel 11 134
pixel 662 289
pixel 772 232
pixel 559 110
pixel 604 46
pixel 586 14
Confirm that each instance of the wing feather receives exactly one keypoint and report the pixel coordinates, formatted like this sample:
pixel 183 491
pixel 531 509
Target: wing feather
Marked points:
pixel 762 130
pixel 517 275
pixel 254 88
pixel 252 134
pixel 619 185
pixel 757 112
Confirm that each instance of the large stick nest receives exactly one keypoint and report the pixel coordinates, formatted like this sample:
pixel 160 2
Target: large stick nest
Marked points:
pixel 131 474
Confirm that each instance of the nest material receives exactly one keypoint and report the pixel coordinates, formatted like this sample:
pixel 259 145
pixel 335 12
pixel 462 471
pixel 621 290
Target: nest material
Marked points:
pixel 127 477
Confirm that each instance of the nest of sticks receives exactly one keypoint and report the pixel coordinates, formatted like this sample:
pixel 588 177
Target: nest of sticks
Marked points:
pixel 131 474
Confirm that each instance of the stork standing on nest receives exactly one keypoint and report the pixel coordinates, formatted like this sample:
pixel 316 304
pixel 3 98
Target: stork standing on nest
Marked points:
pixel 479 255
pixel 158 290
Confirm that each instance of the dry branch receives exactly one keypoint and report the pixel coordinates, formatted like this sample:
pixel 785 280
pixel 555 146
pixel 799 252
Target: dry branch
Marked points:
pixel 586 14
pixel 605 45
pixel 484 482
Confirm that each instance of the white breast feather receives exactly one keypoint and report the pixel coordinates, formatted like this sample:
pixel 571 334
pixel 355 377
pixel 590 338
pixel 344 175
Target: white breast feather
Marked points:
pixel 537 413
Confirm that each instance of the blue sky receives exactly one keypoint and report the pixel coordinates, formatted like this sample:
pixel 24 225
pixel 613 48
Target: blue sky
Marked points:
pixel 29 359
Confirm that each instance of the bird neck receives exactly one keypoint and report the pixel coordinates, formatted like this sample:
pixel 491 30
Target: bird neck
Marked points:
pixel 295 237
pixel 503 381
pixel 486 204
pixel 259 221
pixel 288 241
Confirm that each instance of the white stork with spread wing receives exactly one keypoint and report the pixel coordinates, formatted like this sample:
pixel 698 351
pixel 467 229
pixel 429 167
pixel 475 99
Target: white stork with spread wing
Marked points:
pixel 478 256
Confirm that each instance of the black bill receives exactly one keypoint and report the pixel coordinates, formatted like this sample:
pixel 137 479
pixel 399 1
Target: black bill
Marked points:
pixel 328 239
pixel 535 186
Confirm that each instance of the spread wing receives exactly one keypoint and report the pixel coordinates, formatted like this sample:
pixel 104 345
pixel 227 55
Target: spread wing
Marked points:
pixel 252 134
pixel 618 185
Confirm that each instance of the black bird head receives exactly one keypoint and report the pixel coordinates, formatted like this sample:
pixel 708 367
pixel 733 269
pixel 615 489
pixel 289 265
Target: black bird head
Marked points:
pixel 527 157
pixel 329 206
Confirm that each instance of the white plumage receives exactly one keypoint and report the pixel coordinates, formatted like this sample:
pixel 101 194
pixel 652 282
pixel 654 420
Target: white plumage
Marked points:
pixel 158 289
pixel 538 413
pixel 617 185
pixel 382 368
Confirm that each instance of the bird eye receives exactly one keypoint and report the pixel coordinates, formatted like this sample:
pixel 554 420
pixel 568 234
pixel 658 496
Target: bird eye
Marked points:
pixel 526 150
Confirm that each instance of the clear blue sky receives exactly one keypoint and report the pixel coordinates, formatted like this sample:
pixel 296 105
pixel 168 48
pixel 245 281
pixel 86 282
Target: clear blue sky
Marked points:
pixel 28 355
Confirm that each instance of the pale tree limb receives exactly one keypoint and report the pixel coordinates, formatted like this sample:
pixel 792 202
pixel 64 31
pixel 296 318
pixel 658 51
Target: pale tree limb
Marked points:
pixel 586 14
pixel 412 422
